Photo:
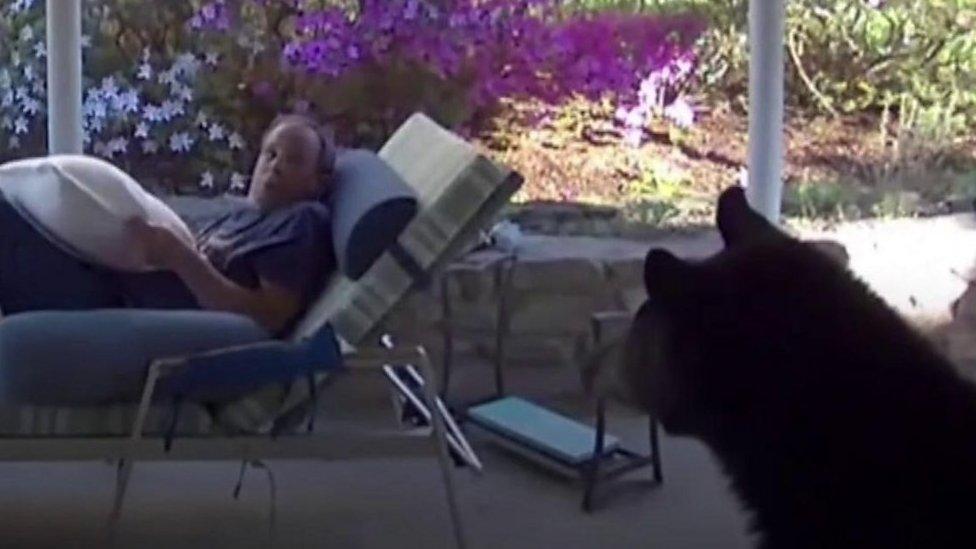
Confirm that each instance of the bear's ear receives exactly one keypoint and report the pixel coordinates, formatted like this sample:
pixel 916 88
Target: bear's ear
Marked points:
pixel 665 275
pixel 736 220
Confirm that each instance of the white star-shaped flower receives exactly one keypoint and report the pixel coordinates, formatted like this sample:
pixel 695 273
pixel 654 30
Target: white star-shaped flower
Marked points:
pixel 186 64
pixel 212 58
pixel 13 142
pixel 99 109
pixel 166 77
pixel 172 109
pixel 21 125
pixel 127 102
pixel 207 180
pixel 152 113
pixel 180 142
pixel 40 50
pixel 145 72
pixel 236 141
pixel 238 182
pixel 202 120
pixel 119 145
pixel 216 132
pixel 142 130
pixel 109 86
pixel 184 93
pixel 31 106
pixel 21 5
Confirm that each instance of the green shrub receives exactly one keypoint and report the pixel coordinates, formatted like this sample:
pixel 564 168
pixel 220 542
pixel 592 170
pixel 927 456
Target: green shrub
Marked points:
pixel 893 205
pixel 820 200
pixel 651 212
pixel 846 56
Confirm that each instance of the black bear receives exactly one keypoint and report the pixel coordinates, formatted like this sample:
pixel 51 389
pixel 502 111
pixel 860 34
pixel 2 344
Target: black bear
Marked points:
pixel 839 424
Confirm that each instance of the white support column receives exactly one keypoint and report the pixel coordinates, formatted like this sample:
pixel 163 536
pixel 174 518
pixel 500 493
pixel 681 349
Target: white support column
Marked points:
pixel 767 28
pixel 64 126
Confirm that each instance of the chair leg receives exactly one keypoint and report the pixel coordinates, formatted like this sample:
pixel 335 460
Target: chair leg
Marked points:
pixel 443 457
pixel 655 451
pixel 503 323
pixel 122 476
pixel 591 474
pixel 448 335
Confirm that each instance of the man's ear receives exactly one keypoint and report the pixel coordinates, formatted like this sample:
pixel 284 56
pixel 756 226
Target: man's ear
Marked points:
pixel 738 222
pixel 665 275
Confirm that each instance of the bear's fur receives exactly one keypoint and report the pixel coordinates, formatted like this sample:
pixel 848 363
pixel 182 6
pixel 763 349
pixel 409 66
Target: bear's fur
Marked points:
pixel 839 425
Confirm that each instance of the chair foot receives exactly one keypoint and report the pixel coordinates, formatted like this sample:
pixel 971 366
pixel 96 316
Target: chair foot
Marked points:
pixel 589 491
pixel 122 476
pixel 656 452
pixel 439 439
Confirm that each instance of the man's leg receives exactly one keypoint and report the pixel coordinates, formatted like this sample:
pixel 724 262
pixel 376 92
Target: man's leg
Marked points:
pixel 35 274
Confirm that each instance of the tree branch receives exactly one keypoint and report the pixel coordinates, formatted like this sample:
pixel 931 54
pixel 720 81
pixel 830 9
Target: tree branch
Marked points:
pixel 807 81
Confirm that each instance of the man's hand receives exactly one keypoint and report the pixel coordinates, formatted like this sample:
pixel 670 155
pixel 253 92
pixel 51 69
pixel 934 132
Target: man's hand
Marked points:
pixel 162 248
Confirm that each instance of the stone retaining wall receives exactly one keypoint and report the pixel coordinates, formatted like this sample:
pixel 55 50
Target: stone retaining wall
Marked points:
pixel 556 287
pixel 919 266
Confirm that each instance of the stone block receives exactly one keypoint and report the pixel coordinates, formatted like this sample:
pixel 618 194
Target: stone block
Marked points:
pixel 472 285
pixel 417 308
pixel 526 351
pixel 626 272
pixel 569 275
pixel 557 314
pixel 632 298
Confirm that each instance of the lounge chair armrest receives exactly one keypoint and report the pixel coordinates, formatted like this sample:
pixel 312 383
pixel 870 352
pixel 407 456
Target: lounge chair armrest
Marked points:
pixel 175 365
pixel 230 372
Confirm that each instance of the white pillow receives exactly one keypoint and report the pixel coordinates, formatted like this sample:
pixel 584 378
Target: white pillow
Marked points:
pixel 82 203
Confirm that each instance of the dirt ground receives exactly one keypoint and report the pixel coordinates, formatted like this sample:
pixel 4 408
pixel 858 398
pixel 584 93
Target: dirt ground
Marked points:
pixel 575 153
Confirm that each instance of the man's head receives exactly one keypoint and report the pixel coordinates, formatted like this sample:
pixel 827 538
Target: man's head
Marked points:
pixel 295 163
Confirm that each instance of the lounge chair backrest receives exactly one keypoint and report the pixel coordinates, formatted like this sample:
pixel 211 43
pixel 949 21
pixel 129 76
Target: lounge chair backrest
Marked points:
pixel 459 191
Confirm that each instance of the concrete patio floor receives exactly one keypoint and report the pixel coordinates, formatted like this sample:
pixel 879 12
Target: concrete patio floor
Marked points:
pixel 382 503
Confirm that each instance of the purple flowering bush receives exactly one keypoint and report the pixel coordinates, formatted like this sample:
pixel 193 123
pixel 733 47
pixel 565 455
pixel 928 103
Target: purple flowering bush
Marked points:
pixel 177 93
pixel 458 59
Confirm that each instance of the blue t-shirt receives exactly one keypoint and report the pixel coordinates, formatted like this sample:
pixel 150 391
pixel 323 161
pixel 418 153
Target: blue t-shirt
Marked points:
pixel 290 247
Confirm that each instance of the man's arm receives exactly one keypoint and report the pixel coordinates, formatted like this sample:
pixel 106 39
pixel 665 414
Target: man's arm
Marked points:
pixel 270 305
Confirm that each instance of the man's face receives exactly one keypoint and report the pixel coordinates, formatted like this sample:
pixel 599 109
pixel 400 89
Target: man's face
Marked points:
pixel 287 167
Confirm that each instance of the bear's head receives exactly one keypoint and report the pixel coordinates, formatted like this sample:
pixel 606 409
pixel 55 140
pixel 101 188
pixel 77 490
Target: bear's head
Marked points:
pixel 732 337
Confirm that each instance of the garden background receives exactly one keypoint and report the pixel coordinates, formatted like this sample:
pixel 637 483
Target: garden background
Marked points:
pixel 636 109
